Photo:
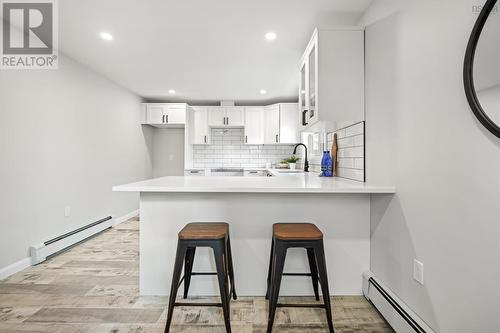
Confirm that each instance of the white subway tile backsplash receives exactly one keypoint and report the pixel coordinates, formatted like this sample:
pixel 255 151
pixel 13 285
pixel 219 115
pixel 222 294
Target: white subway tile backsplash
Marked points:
pixel 359 163
pixel 356 129
pixel 346 163
pixel 351 142
pixel 229 150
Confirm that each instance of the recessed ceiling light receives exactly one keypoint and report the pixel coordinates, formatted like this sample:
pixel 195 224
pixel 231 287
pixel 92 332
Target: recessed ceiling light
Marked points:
pixel 106 36
pixel 171 91
pixel 271 36
pixel 263 92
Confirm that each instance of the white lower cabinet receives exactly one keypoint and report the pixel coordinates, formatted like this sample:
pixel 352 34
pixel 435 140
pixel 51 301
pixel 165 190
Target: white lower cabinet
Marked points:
pixel 254 125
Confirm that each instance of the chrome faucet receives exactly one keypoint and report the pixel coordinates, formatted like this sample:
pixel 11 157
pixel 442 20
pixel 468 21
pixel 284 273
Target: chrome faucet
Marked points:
pixel 306 162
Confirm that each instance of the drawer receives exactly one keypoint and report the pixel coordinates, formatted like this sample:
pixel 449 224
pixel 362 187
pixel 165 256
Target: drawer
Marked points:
pixel 194 172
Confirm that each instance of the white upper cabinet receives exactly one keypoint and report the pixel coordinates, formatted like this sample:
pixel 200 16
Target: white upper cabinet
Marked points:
pixel 216 116
pixel 254 125
pixel 235 116
pixel 289 123
pixel 282 124
pixel 272 124
pixel 198 126
pixel 226 116
pixel 164 114
pixel 331 77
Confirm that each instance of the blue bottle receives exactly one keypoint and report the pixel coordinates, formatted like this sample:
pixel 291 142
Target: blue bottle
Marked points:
pixel 328 165
pixel 325 164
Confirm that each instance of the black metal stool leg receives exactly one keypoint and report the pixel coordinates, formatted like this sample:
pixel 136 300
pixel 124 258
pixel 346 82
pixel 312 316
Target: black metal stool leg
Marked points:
pixel 176 276
pixel 277 272
pixel 270 270
pixel 222 274
pixel 188 269
pixel 231 270
pixel 314 271
pixel 319 252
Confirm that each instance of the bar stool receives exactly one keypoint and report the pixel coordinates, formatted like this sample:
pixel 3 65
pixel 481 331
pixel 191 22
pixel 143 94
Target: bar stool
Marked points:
pixel 203 234
pixel 297 235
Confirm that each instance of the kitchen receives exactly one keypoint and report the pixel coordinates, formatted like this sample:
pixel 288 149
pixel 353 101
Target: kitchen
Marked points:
pixel 219 166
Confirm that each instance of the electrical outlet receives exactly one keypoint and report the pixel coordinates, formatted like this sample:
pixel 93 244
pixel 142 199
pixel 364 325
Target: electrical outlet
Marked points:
pixel 418 271
pixel 67 211
pixel 171 157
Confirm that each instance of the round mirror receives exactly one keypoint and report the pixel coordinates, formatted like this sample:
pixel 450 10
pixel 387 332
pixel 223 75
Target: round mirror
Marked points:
pixel 482 69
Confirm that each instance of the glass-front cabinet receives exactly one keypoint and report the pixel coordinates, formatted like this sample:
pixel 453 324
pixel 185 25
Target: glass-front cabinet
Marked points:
pixel 303 105
pixel 312 81
pixel 308 83
pixel 331 82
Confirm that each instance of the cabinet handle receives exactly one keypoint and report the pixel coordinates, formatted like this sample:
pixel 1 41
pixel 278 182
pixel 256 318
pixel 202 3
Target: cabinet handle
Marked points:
pixel 163 119
pixel 277 138
pixel 205 139
pixel 304 117
pixel 246 139
pixel 166 117
pixel 227 120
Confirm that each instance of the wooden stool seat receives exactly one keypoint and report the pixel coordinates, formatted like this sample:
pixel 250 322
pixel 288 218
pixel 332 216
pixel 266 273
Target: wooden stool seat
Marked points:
pixel 296 231
pixel 204 230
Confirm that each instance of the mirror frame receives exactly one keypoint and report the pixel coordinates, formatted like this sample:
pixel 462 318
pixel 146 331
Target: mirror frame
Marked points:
pixel 470 90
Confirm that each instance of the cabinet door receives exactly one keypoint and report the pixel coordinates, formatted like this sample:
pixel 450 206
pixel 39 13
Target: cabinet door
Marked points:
pixel 216 116
pixel 289 123
pixel 254 125
pixel 155 114
pixel 235 116
pixel 200 129
pixel 303 96
pixel 175 114
pixel 272 124
pixel 312 89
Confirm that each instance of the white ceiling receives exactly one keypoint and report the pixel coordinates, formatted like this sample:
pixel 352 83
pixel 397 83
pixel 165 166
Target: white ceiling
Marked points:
pixel 207 50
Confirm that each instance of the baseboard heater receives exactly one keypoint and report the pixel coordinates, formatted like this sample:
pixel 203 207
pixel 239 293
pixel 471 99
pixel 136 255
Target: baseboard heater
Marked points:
pixel 41 252
pixel 395 311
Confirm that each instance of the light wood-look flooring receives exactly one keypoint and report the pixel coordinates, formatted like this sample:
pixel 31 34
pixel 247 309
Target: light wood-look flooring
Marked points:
pixel 93 287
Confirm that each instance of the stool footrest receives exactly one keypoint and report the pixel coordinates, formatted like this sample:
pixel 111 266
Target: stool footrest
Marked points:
pixel 321 306
pixel 203 273
pixel 198 304
pixel 297 274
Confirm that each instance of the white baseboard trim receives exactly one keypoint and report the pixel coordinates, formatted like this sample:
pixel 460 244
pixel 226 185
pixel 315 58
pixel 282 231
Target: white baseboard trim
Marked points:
pixel 125 217
pixel 401 321
pixel 18 266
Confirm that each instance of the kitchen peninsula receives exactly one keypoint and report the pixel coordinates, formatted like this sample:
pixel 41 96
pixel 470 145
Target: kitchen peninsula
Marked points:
pixel 340 208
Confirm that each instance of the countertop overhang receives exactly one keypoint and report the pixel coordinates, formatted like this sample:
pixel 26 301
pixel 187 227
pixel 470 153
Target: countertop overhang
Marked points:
pixel 296 183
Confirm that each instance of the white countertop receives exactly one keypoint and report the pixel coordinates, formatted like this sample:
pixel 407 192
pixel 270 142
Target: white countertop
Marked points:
pixel 289 183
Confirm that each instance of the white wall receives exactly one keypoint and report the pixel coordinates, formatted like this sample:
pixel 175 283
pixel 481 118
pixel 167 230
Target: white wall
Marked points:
pixel 168 152
pixel 423 137
pixel 490 102
pixel 66 137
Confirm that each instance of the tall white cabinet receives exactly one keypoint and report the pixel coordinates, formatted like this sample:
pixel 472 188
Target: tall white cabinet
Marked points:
pixel 199 130
pixel 281 124
pixel 331 77
pixel 254 125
